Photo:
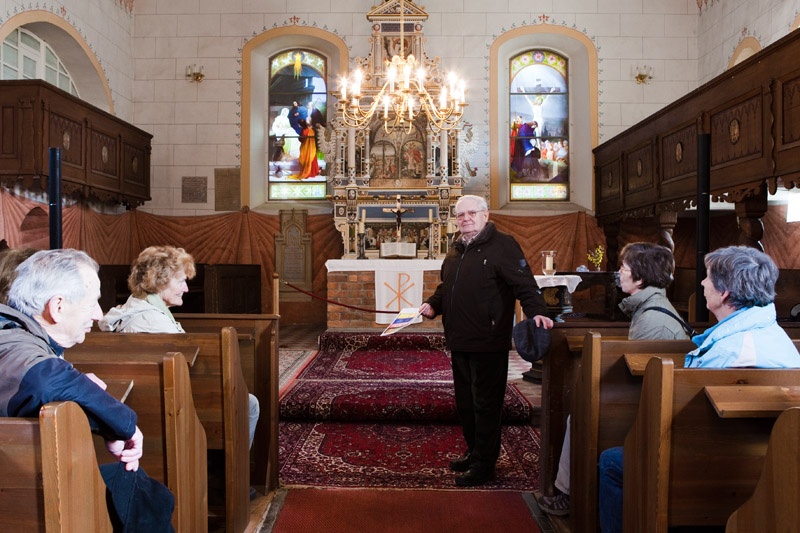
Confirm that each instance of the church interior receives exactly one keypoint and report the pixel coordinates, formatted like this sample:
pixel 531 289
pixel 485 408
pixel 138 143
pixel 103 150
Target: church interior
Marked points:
pixel 309 156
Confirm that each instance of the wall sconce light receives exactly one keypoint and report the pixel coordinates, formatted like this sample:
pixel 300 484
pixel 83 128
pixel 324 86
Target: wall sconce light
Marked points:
pixel 643 74
pixel 195 73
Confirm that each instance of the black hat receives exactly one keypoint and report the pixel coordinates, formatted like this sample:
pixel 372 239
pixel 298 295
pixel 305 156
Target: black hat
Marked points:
pixel 532 341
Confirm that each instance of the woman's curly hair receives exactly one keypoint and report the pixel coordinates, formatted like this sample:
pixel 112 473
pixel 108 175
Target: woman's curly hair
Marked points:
pixel 154 268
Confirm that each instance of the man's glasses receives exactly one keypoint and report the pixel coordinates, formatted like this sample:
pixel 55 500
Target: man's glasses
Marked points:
pixel 470 214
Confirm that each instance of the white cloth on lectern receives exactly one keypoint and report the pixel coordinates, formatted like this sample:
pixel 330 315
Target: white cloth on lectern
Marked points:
pixel 395 290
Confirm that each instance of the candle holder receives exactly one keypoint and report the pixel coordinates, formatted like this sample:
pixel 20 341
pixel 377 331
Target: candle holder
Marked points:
pixel 430 241
pixel 549 262
pixel 362 245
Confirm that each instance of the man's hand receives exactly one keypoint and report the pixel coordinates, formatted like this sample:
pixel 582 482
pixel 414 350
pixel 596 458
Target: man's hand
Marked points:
pixel 426 310
pixel 128 451
pixel 543 321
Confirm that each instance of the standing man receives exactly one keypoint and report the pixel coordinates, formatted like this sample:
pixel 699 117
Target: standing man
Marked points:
pixel 51 306
pixel 482 276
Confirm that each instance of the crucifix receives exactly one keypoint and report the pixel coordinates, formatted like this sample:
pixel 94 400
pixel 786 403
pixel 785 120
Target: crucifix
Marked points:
pixel 398 211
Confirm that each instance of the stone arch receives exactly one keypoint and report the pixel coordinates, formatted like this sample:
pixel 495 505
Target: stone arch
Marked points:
pixel 255 69
pixel 73 50
pixel 582 54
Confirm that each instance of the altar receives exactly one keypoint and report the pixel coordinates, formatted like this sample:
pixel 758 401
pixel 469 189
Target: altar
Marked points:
pixel 364 287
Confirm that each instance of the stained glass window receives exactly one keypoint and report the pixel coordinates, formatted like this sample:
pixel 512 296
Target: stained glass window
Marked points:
pixel 298 103
pixel 539 127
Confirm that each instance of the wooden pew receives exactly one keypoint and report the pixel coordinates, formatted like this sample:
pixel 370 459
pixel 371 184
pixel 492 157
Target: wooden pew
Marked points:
pixel 775 503
pixel 559 374
pixel 605 402
pixel 174 439
pixel 701 466
pixel 49 476
pixel 258 347
pixel 560 370
pixel 218 390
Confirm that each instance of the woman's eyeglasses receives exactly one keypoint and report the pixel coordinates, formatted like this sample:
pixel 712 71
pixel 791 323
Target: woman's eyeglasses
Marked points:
pixel 470 214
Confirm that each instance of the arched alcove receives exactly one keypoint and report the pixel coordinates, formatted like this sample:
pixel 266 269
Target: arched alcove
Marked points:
pixel 583 104
pixel 747 47
pixel 255 71
pixel 72 49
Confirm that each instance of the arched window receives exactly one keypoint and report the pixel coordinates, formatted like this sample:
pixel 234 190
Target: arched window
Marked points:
pixel 539 132
pixel 298 103
pixel 26 56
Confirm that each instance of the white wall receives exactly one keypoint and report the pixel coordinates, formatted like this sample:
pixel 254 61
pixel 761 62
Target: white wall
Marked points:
pixel 196 125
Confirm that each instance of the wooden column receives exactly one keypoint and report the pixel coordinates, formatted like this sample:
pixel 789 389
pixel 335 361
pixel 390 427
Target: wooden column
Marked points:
pixel 750 211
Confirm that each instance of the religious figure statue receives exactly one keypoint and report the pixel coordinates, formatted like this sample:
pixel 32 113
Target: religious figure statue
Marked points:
pixel 398 211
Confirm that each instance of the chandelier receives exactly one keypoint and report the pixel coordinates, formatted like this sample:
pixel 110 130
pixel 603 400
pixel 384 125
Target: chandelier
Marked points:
pixel 403 96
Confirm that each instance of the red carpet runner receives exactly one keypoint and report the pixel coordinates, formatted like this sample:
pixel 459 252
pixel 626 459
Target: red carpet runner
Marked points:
pixel 425 511
pixel 371 411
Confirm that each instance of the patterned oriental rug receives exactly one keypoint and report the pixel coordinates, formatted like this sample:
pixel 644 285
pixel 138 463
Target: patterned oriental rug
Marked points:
pixel 388 401
pixel 410 456
pixel 371 411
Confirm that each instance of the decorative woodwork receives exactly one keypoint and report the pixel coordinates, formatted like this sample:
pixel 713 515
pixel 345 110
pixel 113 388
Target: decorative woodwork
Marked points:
pixel 102 157
pixel 751 112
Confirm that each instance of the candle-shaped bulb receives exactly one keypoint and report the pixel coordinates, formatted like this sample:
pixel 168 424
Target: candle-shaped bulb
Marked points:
pixel 343 84
pixel 430 216
pixel 357 83
pixel 443 98
pixel 386 107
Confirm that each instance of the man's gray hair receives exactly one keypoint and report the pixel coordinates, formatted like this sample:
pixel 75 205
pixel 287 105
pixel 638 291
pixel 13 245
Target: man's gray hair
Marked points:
pixel 480 200
pixel 46 274
pixel 749 275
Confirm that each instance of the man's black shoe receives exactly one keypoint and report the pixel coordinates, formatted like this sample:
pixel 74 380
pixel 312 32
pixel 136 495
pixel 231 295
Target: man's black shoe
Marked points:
pixel 475 476
pixel 461 464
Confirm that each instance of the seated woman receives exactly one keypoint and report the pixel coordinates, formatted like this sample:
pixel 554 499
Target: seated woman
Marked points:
pixel 158 282
pixel 739 289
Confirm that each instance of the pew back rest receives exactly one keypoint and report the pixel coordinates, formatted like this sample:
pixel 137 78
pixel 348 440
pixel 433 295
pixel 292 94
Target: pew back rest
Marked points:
pixel 605 401
pixel 219 396
pixel 711 464
pixel 49 476
pixel 647 446
pixel 174 439
pixel 258 350
pixel 775 503
pixel 729 452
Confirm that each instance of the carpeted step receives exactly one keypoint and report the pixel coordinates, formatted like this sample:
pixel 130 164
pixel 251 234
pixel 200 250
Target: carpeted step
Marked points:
pixel 390 401
pixel 351 341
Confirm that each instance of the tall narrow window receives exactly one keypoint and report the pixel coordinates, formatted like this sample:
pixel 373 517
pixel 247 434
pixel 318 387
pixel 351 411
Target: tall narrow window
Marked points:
pixel 539 132
pixel 298 103
pixel 25 56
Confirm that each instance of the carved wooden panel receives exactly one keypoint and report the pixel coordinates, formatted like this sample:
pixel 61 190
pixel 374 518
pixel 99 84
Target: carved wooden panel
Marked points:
pixel 787 149
pixel 790 111
pixel 679 154
pixel 67 135
pixel 101 156
pixel 609 187
pixel 736 132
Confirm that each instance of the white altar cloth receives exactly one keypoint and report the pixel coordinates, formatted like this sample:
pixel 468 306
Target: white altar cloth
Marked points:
pixel 571 281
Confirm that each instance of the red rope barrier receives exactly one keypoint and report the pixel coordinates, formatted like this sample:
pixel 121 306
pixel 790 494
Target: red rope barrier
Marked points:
pixel 298 289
